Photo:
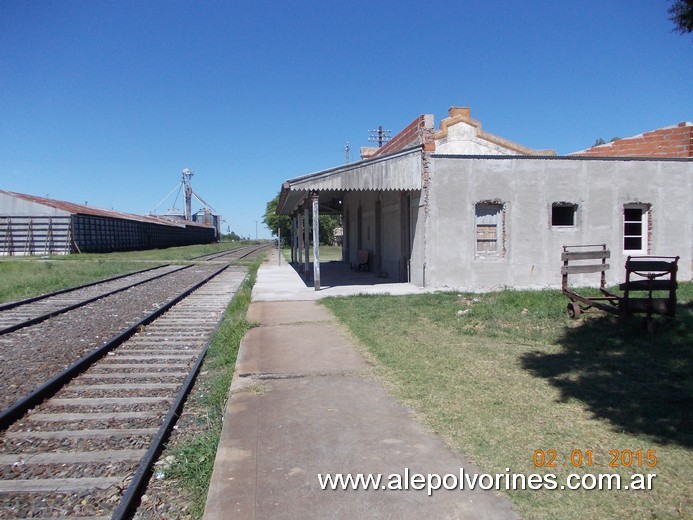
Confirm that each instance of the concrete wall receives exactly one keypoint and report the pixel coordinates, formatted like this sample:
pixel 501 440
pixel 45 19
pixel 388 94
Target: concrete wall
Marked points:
pixel 417 272
pixel 526 188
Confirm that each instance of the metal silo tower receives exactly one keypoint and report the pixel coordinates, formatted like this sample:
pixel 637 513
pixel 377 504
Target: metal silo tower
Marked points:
pixel 187 189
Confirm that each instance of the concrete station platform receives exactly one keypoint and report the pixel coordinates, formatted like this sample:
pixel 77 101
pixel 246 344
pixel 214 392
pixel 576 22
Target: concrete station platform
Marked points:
pixel 303 403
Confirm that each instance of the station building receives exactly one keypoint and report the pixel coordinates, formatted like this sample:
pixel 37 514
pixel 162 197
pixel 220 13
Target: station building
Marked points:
pixel 31 225
pixel 458 207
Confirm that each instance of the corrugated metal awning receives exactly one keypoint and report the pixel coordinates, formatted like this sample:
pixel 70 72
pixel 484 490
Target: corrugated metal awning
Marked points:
pixel 400 171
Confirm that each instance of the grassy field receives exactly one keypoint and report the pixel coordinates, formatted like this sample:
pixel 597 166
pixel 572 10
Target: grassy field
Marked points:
pixel 23 277
pixel 327 253
pixel 501 375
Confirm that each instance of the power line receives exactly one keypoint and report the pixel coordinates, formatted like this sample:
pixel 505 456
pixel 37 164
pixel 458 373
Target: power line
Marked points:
pixel 380 136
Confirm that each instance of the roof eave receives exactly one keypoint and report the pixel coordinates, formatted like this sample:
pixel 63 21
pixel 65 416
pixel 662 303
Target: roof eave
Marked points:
pixel 397 171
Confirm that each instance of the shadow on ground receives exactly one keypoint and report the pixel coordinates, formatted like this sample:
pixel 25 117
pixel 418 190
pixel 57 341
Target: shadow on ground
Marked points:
pixel 337 274
pixel 641 383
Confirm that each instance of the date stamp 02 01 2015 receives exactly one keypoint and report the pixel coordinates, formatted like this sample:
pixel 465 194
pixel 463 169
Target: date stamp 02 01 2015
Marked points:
pixel 578 458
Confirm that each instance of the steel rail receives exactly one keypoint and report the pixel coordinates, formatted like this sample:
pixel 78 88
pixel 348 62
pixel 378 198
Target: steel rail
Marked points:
pixel 63 310
pixel 212 256
pixel 254 248
pixel 50 387
pixel 143 472
pixel 12 305
pixel 252 251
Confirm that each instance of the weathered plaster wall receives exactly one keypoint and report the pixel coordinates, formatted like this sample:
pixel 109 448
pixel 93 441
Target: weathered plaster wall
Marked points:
pixel 417 259
pixel 527 187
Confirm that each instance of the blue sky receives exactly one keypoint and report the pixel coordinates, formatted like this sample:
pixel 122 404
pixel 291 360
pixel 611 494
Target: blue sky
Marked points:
pixel 106 102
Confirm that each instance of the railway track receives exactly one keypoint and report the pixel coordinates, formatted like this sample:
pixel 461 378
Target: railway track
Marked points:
pixel 30 311
pixel 87 451
pixel 24 313
pixel 233 254
pixel 33 355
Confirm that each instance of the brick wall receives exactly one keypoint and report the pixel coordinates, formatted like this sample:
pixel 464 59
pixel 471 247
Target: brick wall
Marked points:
pixel 673 141
pixel 417 132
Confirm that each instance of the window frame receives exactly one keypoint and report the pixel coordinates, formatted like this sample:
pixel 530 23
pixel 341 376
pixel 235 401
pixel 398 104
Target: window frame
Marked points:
pixel 644 223
pixel 499 217
pixel 568 205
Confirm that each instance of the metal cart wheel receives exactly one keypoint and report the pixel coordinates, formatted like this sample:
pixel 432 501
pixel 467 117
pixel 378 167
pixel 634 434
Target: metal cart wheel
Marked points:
pixel 573 310
pixel 649 324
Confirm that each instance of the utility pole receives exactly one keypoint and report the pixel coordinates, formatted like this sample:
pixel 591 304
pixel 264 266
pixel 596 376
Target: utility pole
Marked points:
pixel 380 136
pixel 346 151
pixel 256 229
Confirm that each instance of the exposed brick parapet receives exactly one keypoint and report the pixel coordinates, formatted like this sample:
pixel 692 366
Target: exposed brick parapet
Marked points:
pixel 422 132
pixel 418 132
pixel 670 141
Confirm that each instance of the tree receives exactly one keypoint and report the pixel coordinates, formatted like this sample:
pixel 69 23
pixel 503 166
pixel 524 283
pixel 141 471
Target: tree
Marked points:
pixel 681 12
pixel 328 223
pixel 232 236
pixel 275 222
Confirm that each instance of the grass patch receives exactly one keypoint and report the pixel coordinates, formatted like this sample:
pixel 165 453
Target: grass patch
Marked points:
pixel 501 375
pixel 170 254
pixel 23 277
pixel 327 253
pixel 194 454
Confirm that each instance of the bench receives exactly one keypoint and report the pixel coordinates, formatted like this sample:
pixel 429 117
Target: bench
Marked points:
pixel 583 259
pixel 649 274
pixel 361 263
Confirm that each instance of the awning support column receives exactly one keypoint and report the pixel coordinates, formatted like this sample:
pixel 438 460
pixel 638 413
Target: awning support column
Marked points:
pixel 293 239
pixel 299 238
pixel 306 240
pixel 292 236
pixel 316 241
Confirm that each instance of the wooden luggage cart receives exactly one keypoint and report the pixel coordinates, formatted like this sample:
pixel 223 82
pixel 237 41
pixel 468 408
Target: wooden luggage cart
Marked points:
pixel 650 274
pixel 644 274
pixel 574 258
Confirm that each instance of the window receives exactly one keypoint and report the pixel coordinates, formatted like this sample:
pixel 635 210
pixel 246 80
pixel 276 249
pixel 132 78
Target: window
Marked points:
pixel 563 214
pixel 635 226
pixel 489 229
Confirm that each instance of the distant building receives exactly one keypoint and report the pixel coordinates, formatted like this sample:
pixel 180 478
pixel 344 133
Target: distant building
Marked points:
pixel 205 217
pixel 459 207
pixel 31 225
